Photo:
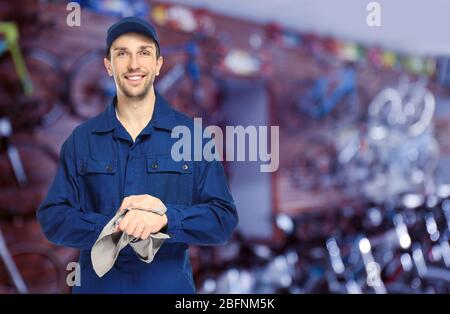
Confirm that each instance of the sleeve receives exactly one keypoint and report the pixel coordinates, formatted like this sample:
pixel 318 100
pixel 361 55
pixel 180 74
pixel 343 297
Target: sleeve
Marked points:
pixel 62 220
pixel 212 220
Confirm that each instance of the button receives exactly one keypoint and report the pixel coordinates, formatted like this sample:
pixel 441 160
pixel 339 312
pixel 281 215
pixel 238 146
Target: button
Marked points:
pixel 185 167
pixel 109 168
pixel 155 166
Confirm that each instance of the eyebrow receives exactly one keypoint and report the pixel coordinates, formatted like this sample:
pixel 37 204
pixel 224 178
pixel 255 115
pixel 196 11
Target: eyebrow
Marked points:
pixel 141 47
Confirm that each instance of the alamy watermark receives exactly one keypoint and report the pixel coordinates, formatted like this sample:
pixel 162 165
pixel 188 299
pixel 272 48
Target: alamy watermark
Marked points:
pixel 73 278
pixel 235 148
pixel 74 17
pixel 374 17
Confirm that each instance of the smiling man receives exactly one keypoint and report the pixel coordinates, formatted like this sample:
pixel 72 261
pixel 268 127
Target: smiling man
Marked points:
pixel 121 160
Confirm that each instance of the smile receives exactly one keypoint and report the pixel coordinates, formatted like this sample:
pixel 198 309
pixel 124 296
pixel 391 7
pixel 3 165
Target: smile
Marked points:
pixel 134 78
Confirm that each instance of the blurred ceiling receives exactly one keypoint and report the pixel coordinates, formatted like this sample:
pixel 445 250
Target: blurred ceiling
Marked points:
pixel 409 26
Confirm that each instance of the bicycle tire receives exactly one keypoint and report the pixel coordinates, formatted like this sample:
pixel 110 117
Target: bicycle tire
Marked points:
pixel 26 253
pixel 418 122
pixel 27 112
pixel 40 165
pixel 89 87
pixel 57 86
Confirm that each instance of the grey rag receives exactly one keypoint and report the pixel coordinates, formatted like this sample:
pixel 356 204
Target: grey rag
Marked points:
pixel 108 245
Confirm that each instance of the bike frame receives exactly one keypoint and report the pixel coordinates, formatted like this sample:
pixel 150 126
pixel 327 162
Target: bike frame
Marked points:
pixel 11 44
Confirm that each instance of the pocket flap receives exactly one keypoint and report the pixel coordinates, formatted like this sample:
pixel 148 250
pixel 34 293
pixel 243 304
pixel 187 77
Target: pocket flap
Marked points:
pixel 97 164
pixel 167 164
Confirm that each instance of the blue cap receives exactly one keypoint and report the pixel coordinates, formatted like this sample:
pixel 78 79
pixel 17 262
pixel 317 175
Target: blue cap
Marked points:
pixel 130 24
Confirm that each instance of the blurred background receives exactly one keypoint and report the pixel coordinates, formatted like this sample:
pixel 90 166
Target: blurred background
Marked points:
pixel 361 200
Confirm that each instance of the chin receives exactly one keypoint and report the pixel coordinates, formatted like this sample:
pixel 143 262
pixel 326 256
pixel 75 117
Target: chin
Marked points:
pixel 138 95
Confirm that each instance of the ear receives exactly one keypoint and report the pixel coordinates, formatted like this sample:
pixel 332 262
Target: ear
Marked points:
pixel 108 67
pixel 159 64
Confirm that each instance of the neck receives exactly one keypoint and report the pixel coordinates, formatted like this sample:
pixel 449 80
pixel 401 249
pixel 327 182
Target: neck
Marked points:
pixel 136 112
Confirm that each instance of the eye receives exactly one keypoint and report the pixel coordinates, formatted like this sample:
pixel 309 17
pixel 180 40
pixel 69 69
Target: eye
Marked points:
pixel 120 53
pixel 146 53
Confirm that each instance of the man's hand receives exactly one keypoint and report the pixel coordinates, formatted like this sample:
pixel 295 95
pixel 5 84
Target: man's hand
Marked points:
pixel 140 223
pixel 143 202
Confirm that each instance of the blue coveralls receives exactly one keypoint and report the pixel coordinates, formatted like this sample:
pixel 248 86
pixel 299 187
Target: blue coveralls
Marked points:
pixel 100 165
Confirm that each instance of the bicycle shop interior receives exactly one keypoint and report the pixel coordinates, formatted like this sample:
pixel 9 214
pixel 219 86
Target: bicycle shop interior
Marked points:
pixel 360 200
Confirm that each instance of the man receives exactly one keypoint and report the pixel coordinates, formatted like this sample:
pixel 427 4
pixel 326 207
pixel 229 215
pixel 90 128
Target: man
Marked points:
pixel 120 160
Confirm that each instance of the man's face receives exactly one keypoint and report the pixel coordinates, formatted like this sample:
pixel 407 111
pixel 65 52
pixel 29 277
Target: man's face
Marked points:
pixel 133 64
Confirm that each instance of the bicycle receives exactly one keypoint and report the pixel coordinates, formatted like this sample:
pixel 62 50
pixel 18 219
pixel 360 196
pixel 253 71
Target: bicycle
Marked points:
pixel 320 97
pixel 398 152
pixel 33 102
pixel 192 84
pixel 358 248
pixel 30 267
pixel 23 186
pixel 19 175
pixel 10 43
pixel 410 107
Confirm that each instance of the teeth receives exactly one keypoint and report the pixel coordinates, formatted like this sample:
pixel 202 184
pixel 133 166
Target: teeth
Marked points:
pixel 134 78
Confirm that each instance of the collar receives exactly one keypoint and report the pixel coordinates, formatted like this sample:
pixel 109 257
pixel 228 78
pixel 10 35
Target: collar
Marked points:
pixel 163 117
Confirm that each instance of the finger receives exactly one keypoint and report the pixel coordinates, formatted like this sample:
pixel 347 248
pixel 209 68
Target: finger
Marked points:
pixel 160 204
pixel 132 226
pixel 126 220
pixel 146 233
pixel 157 203
pixel 148 202
pixel 139 229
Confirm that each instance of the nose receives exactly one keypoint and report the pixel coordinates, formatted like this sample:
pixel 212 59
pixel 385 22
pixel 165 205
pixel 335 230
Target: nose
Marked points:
pixel 133 64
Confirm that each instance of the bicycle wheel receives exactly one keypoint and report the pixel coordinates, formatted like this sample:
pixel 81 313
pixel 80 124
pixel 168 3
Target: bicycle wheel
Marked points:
pixel 200 100
pixel 90 88
pixel 418 109
pixel 47 74
pixel 384 113
pixel 40 268
pixel 39 165
pixel 28 111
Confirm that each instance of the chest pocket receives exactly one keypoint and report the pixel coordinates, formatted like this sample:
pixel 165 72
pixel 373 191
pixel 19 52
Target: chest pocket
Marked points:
pixel 97 164
pixel 169 180
pixel 98 183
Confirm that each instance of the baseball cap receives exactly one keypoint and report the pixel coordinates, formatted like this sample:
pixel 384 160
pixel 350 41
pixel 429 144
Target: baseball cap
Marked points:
pixel 130 24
